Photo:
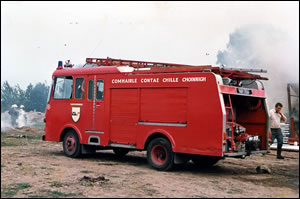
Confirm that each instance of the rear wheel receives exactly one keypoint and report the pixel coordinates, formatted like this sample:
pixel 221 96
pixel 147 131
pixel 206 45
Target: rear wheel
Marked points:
pixel 71 144
pixel 205 161
pixel 160 155
pixel 120 151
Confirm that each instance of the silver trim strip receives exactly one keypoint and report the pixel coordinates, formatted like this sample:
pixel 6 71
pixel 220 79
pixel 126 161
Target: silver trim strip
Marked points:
pixel 162 124
pixel 221 98
pixel 99 132
pixel 228 154
pixel 75 104
pixel 243 94
pixel 122 146
pixel 268 121
pixel 94 101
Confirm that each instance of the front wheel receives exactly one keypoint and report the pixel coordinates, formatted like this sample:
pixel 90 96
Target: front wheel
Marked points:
pixel 160 155
pixel 71 144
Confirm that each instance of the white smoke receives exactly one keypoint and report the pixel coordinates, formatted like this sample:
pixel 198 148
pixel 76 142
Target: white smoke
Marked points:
pixel 5 121
pixel 265 47
pixel 22 119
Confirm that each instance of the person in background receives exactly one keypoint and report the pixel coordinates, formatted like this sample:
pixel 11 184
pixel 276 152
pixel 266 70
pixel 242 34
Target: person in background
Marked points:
pixel 14 113
pixel 275 117
pixel 22 119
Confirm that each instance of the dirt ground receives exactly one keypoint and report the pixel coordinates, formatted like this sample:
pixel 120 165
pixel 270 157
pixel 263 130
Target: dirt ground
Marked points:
pixel 33 168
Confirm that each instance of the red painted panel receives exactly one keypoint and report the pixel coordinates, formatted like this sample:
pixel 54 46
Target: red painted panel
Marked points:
pixel 258 93
pixel 164 105
pixel 228 89
pixel 124 115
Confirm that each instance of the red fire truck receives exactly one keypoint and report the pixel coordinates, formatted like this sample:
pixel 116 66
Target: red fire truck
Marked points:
pixel 175 112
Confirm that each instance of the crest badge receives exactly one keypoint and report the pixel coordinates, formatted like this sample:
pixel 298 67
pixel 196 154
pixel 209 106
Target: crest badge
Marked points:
pixel 75 114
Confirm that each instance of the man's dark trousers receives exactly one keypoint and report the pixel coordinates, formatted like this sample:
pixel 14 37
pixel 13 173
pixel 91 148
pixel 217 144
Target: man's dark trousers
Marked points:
pixel 277 134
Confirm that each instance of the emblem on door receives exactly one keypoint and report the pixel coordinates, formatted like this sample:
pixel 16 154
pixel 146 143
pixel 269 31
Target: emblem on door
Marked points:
pixel 75 114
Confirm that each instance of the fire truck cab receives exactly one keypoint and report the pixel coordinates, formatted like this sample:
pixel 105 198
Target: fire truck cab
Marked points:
pixel 175 112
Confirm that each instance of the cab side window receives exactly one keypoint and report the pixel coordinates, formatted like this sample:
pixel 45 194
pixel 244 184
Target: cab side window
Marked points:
pixel 63 87
pixel 91 90
pixel 100 90
pixel 79 88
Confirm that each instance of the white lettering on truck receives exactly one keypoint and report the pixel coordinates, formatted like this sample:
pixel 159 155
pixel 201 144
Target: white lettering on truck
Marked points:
pixel 157 80
pixel 118 81
pixel 194 79
pixel 150 80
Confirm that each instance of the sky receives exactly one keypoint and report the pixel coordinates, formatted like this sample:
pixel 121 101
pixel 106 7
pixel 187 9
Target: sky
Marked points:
pixel 36 35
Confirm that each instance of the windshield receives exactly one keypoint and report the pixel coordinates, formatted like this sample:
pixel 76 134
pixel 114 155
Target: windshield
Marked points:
pixel 49 92
pixel 87 65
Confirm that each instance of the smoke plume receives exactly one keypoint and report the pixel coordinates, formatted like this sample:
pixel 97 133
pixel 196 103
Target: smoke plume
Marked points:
pixel 265 47
pixel 25 119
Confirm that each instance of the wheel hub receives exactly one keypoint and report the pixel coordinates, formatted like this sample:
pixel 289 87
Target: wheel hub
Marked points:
pixel 159 154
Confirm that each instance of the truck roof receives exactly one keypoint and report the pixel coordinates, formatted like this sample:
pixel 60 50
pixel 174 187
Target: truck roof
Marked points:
pixel 86 71
pixel 113 66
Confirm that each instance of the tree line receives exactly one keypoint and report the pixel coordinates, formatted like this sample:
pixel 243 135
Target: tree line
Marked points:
pixel 34 97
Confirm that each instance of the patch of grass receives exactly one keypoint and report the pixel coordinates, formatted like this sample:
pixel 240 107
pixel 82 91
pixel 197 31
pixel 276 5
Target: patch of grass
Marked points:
pixel 37 196
pixel 12 189
pixel 87 184
pixel 2 166
pixel 43 167
pixel 19 164
pixel 12 138
pixel 57 184
pixel 54 194
pixel 199 196
pixel 149 191
pixel 58 194
pixel 86 171
pixel 234 191
pixel 114 176
pixel 11 142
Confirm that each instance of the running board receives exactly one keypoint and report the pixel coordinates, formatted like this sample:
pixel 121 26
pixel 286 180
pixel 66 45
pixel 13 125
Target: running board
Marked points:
pixel 122 146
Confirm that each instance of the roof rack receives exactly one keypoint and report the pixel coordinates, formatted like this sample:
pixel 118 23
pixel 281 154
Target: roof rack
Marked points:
pixel 132 63
pixel 159 67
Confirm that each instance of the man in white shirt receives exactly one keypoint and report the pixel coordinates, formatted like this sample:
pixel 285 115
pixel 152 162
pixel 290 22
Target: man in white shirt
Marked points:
pixel 275 117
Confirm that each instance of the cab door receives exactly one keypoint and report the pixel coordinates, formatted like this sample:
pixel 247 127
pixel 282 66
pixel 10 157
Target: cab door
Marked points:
pixel 95 132
pixel 99 117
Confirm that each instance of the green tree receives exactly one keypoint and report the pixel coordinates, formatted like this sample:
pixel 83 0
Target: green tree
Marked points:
pixel 8 96
pixel 33 98
pixel 28 98
pixel 39 96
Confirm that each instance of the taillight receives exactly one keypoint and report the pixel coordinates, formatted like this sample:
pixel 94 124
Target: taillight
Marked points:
pixel 44 120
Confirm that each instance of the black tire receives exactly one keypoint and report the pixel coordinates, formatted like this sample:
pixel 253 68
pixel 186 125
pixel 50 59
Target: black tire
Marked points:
pixel 160 154
pixel 205 161
pixel 120 151
pixel 71 144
